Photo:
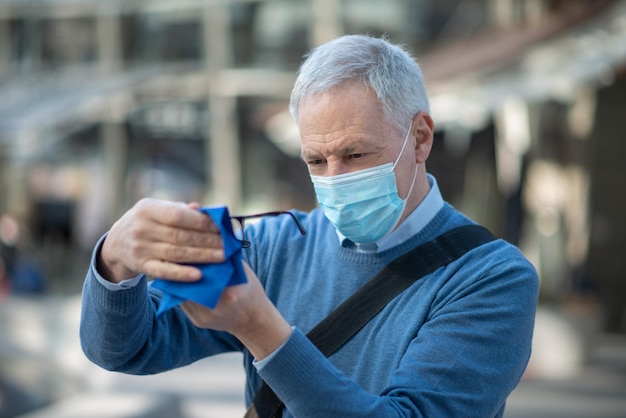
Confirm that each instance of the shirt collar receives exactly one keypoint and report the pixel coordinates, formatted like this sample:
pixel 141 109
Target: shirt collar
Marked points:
pixel 412 224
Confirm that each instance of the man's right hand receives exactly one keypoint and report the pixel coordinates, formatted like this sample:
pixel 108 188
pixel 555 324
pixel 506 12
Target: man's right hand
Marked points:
pixel 159 238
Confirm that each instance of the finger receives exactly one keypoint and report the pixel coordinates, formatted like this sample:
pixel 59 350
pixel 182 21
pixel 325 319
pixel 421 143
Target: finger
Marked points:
pixel 171 271
pixel 184 254
pixel 250 274
pixel 199 315
pixel 193 205
pixel 190 307
pixel 193 219
pixel 175 214
pixel 178 236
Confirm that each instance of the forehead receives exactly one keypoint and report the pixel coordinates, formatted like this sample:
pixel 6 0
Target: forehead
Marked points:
pixel 343 105
pixel 347 111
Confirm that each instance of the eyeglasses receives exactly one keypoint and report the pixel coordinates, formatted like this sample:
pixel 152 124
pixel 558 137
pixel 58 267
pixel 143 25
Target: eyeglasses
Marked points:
pixel 239 221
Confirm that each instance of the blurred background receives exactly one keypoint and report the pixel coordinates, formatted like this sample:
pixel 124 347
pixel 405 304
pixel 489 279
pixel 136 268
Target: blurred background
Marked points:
pixel 103 102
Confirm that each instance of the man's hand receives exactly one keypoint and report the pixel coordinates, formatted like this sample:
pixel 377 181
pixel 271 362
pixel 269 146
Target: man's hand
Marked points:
pixel 158 238
pixel 246 312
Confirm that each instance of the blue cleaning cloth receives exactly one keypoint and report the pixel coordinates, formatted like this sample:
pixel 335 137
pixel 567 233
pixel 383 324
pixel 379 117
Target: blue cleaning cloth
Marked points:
pixel 215 277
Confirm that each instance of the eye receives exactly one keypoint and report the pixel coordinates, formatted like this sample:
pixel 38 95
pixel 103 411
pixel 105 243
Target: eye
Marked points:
pixel 356 155
pixel 315 162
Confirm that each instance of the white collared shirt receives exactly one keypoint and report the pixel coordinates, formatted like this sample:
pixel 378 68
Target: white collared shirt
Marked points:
pixel 411 225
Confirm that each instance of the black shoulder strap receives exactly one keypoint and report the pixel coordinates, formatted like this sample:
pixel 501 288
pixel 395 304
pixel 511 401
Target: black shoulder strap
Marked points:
pixel 349 317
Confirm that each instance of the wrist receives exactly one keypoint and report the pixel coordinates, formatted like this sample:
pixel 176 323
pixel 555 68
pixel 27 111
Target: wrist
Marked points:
pixel 265 334
pixel 110 269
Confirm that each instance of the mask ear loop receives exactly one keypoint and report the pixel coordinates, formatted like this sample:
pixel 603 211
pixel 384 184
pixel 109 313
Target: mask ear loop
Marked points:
pixel 406 141
pixel 393 228
pixel 412 183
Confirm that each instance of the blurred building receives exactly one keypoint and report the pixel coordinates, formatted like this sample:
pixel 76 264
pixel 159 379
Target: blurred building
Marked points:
pixel 104 102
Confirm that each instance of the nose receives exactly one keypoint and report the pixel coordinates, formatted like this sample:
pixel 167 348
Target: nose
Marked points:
pixel 335 167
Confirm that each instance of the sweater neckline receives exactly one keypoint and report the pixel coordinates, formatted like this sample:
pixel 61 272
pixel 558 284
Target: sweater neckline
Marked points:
pixel 428 232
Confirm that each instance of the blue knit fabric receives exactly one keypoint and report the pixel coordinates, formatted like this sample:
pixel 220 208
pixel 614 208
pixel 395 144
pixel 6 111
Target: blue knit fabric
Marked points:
pixel 454 344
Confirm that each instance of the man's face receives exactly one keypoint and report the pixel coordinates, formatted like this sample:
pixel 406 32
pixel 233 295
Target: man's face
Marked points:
pixel 344 130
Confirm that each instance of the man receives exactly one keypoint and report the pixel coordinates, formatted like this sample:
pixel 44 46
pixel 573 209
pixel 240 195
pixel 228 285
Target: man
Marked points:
pixel 453 344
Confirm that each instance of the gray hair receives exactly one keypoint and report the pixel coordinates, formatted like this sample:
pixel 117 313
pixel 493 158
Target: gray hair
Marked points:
pixel 389 70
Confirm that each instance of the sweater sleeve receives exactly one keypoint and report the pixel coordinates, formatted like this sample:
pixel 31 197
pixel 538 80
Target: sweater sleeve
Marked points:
pixel 119 330
pixel 466 358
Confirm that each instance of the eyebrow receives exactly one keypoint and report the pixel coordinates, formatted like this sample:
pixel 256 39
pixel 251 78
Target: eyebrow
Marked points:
pixel 348 148
pixel 345 149
pixel 308 155
pixel 342 150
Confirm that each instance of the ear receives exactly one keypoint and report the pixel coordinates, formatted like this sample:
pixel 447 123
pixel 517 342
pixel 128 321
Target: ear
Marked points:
pixel 423 132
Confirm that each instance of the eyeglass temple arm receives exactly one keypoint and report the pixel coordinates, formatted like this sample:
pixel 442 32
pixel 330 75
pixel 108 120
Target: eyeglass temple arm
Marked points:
pixel 298 224
pixel 274 213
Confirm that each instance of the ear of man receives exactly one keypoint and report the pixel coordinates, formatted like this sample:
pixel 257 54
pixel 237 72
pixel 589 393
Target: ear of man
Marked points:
pixel 423 132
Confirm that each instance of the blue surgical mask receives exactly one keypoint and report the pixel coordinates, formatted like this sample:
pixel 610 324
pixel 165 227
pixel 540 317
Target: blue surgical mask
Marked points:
pixel 364 205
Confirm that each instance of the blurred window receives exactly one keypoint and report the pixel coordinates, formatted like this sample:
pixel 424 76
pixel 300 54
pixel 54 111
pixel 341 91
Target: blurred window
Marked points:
pixel 281 33
pixel 163 37
pixel 68 42
pixel 376 18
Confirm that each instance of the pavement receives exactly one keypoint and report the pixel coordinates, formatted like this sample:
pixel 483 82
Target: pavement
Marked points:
pixel 594 388
pixel 574 372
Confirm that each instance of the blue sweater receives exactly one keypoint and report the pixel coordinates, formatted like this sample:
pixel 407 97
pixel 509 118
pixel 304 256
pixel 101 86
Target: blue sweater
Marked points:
pixel 454 344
